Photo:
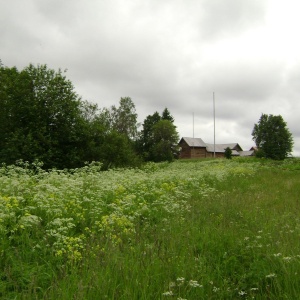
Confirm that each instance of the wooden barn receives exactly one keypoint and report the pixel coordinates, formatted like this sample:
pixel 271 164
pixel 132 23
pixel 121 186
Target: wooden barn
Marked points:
pixel 197 148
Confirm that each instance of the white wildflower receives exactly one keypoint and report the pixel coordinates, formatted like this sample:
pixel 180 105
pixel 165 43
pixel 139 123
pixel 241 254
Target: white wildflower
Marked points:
pixel 242 293
pixel 194 283
pixel 272 275
pixel 287 258
pixel 180 281
pixel 169 293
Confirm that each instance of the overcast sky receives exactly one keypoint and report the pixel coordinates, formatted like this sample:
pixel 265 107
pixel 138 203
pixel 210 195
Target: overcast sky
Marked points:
pixel 169 53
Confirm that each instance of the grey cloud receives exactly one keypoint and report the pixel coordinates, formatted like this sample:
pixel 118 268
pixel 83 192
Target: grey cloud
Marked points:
pixel 159 54
pixel 225 18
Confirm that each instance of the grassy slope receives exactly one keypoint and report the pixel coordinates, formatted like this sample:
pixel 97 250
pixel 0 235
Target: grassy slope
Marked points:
pixel 239 238
pixel 241 241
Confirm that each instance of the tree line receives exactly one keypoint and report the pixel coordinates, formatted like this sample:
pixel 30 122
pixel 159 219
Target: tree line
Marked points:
pixel 43 119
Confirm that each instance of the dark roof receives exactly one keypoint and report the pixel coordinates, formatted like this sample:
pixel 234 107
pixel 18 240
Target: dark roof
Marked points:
pixel 218 148
pixel 221 147
pixel 193 142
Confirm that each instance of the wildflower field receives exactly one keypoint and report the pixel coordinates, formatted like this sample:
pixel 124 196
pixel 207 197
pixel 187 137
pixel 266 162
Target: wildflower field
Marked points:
pixel 206 229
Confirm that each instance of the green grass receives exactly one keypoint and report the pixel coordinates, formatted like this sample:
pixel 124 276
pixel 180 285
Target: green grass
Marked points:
pixel 208 229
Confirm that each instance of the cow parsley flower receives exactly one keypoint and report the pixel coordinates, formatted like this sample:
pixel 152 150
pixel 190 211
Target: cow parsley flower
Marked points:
pixel 272 275
pixel 194 283
pixel 168 293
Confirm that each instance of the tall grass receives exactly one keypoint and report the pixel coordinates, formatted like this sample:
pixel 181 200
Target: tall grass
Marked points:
pixel 217 229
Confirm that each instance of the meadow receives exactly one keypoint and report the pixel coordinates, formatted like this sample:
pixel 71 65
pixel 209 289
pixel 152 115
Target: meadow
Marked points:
pixel 191 229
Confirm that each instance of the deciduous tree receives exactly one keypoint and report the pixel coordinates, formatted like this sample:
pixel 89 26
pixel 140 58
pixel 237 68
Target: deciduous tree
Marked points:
pixel 165 141
pixel 157 136
pixel 272 137
pixel 124 118
pixel 145 140
pixel 40 117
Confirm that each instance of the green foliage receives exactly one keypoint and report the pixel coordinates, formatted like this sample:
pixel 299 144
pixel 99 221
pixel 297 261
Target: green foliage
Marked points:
pixel 182 230
pixel 259 153
pixel 145 140
pixel 272 137
pixel 117 151
pixel 112 134
pixel 166 115
pixel 158 139
pixel 124 118
pixel 14 114
pixel 165 139
pixel 228 153
pixel 40 118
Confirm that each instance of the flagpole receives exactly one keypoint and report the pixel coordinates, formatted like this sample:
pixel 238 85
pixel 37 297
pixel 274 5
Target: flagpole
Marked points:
pixel 193 126
pixel 193 137
pixel 214 124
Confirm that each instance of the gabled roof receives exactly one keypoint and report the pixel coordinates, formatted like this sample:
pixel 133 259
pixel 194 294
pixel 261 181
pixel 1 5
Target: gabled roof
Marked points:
pixel 221 147
pixel 218 148
pixel 193 142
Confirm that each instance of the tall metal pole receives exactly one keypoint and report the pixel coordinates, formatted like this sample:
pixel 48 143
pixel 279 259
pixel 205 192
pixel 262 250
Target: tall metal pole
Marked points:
pixel 193 151
pixel 193 125
pixel 214 124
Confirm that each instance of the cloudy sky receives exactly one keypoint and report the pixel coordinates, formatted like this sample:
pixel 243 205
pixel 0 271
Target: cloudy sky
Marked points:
pixel 169 53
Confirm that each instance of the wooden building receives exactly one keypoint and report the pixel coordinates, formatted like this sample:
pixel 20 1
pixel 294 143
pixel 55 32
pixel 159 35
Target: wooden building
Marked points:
pixel 197 148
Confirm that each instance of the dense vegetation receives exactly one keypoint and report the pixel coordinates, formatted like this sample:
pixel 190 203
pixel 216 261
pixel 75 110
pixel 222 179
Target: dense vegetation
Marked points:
pixel 213 229
pixel 272 137
pixel 43 119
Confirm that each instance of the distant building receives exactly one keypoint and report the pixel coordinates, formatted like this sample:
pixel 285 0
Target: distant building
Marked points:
pixel 197 148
